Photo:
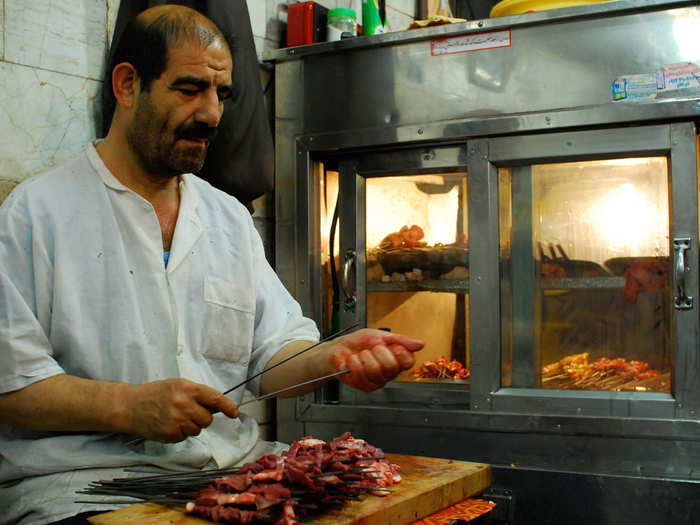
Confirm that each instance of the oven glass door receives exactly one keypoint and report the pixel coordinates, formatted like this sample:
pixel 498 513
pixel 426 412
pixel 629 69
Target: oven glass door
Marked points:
pixel 401 253
pixel 596 248
pixel 585 249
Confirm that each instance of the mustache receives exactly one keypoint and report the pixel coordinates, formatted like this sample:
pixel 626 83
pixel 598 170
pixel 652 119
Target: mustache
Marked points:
pixel 196 131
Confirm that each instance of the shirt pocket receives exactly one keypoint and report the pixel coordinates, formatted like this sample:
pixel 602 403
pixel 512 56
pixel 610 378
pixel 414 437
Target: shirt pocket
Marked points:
pixel 229 320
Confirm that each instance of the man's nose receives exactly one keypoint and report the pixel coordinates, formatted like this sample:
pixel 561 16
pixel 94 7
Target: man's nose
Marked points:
pixel 210 108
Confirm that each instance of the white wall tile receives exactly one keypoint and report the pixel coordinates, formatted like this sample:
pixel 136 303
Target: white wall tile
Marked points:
pixel 46 117
pixel 396 20
pixel 67 36
pixel 263 45
pixel 407 7
pixel 257 10
pixel 112 12
pixel 2 29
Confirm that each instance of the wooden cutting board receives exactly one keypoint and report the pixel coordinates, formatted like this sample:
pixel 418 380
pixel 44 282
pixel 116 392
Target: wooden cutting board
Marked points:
pixel 428 485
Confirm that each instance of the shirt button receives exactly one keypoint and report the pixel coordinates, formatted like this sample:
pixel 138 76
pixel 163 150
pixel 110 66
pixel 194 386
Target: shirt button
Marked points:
pixel 179 350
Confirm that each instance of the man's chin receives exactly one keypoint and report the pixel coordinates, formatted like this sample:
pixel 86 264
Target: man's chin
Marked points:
pixel 189 161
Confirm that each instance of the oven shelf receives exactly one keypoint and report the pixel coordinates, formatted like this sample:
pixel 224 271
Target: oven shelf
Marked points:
pixel 431 285
pixel 567 283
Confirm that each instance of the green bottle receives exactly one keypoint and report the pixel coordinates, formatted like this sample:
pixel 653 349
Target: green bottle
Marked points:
pixel 371 21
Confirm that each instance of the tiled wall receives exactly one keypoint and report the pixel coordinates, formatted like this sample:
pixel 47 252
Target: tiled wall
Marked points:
pixel 51 61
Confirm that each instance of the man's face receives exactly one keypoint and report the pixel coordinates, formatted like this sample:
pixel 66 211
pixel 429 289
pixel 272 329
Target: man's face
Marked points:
pixel 174 121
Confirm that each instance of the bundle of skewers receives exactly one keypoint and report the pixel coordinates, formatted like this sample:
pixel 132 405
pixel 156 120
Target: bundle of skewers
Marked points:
pixel 310 477
pixel 575 372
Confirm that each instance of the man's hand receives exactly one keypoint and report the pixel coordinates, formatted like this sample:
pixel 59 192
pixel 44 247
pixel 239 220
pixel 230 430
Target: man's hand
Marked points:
pixel 374 357
pixel 174 409
pixel 169 410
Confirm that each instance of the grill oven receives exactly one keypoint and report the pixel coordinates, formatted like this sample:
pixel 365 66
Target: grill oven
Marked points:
pixel 541 238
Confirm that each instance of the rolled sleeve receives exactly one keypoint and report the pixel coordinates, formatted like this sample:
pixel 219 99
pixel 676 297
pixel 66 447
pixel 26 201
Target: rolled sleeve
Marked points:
pixel 25 351
pixel 279 319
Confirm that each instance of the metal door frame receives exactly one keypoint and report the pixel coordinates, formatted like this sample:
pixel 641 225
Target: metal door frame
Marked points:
pixel 678 143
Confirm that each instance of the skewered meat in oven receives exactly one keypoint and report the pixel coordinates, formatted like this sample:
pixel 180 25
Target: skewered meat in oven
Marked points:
pixel 441 368
pixel 644 275
pixel 575 371
pixel 406 237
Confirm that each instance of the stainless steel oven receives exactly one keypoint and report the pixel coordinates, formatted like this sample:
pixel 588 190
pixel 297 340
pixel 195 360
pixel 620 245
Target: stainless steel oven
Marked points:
pixel 542 238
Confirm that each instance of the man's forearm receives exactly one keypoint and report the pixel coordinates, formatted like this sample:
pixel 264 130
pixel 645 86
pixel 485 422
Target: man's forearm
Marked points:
pixel 310 365
pixel 65 402
pixel 372 357
pixel 167 410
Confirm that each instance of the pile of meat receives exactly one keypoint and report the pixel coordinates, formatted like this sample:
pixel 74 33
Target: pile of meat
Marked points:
pixel 575 371
pixel 404 238
pixel 309 477
pixel 646 275
pixel 441 369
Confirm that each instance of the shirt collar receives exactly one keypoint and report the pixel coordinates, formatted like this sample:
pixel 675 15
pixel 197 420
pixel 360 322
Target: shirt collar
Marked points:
pixel 102 170
pixel 188 192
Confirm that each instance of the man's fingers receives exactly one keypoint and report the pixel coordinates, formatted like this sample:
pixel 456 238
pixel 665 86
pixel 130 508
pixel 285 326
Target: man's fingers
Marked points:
pixel 215 401
pixel 190 429
pixel 202 416
pixel 391 366
pixel 405 358
pixel 409 343
pixel 372 366
pixel 228 407
pixel 357 377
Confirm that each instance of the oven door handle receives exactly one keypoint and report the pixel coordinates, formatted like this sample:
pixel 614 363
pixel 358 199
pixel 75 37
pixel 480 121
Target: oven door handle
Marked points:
pixel 348 289
pixel 681 301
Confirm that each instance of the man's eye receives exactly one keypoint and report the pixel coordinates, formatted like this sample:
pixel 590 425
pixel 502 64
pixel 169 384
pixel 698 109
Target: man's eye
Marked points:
pixel 188 92
pixel 224 95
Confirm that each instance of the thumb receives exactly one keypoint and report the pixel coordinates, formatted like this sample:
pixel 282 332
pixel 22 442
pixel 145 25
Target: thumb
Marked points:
pixel 215 402
pixel 226 406
pixel 409 343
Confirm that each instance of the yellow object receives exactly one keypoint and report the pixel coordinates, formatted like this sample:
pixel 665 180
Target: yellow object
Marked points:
pixel 516 7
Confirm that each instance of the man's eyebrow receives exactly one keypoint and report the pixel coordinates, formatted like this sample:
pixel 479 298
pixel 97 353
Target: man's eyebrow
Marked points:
pixel 226 88
pixel 190 80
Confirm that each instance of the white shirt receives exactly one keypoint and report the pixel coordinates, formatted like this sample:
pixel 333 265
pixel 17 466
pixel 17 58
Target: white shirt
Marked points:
pixel 84 290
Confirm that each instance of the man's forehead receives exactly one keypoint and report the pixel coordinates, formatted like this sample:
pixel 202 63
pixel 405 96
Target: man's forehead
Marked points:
pixel 192 55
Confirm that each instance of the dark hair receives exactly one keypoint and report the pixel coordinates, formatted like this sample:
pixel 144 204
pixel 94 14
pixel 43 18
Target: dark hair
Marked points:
pixel 145 43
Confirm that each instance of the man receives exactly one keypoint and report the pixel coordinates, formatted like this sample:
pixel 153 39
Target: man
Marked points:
pixel 132 294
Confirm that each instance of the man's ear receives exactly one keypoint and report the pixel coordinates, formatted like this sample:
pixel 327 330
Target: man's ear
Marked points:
pixel 125 84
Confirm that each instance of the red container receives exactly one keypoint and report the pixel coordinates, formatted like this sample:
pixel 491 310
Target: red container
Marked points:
pixel 306 23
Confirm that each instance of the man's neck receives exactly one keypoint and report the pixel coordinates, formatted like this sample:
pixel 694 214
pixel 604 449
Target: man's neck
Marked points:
pixel 122 163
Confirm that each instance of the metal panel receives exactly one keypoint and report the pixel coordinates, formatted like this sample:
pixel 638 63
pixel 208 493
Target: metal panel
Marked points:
pixel 592 144
pixel 387 105
pixel 684 191
pixel 484 333
pixel 455 129
pixel 547 68
pixel 678 143
pixel 352 235
pixel 526 363
pixel 590 11
pixel 288 124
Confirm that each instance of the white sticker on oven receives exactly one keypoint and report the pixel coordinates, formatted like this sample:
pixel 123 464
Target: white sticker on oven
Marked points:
pixel 449 45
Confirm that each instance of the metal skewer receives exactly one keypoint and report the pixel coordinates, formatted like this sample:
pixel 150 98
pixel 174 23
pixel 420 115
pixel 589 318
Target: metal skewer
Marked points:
pixel 332 336
pixel 277 392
